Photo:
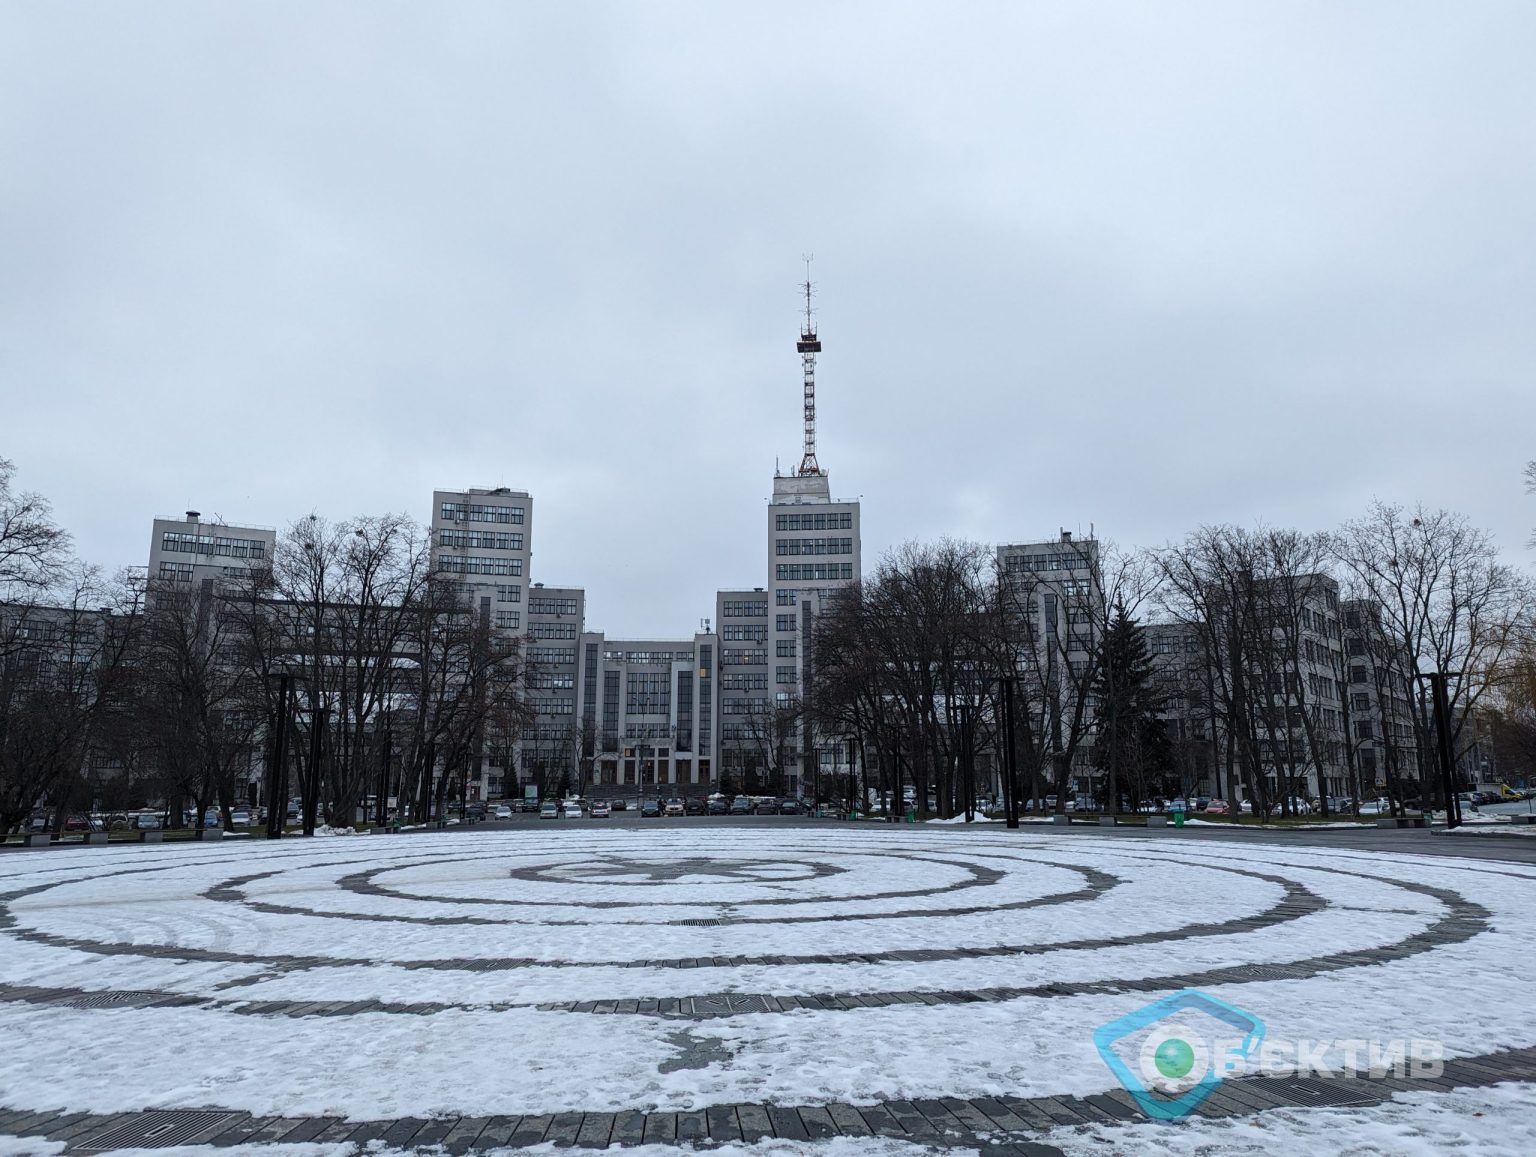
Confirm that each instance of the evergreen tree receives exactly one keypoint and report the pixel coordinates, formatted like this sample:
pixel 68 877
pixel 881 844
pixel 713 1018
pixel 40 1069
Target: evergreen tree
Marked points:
pixel 1132 741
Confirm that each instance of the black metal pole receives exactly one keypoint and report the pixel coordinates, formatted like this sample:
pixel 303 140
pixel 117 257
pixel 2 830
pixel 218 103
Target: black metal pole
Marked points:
pixel 312 780
pixel 967 713
pixel 1012 760
pixel 1442 708
pixel 381 805
pixel 277 778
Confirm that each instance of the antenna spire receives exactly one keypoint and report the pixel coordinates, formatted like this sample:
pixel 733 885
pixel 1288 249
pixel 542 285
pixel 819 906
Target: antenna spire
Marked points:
pixel 809 346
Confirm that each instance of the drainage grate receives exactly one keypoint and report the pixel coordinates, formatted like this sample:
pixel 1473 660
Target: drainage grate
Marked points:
pixel 108 999
pixel 729 1002
pixel 156 1130
pixel 1311 1092
pixel 700 923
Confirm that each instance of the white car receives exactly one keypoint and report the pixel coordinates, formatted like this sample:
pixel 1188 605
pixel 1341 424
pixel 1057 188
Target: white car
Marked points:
pixel 503 812
pixel 550 811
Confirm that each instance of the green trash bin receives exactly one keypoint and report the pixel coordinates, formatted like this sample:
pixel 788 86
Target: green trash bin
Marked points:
pixel 911 815
pixel 1178 819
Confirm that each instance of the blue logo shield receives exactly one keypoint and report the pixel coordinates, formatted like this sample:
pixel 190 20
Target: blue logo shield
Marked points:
pixel 1171 1055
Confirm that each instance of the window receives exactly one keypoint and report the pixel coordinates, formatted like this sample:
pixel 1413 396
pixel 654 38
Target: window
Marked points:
pixel 473 565
pixel 470 512
pixel 1357 675
pixel 785 623
pixel 1360 702
pixel 742 681
pixel 180 572
pixel 835 520
pixel 552 630
pixel 508 620
pixel 547 681
pixel 554 706
pixel 1363 729
pixel 647 693
pixel 743 609
pixel 1354 645
pixel 745 633
pixel 743 706
pixel 544 605
pixel 509 594
pixel 553 655
pixel 784 675
pixel 784 648
pixel 794 546
pixel 813 572
pixel 785 596
pixel 743 657
pixel 479 540
pixel 186 542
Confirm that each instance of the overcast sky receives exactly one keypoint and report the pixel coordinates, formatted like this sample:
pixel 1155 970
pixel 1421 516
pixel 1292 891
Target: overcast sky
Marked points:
pixel 1135 266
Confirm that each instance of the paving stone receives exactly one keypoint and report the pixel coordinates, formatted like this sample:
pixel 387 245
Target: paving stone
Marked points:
pixel 817 1122
pixel 402 1131
pixel 969 1116
pixel 849 1122
pixel 628 1128
pixel 786 1123
pixel 496 1133
pixel 335 1133
pixel 692 1126
pixel 310 1129
pixel 369 1131
pixel 239 1132
pixel 721 1120
pixel 754 1122
pixel 433 1132
pixel 1000 1116
pixel 563 1128
pixel 595 1130
pixel 530 1131
pixel 911 1120
pixel 660 1128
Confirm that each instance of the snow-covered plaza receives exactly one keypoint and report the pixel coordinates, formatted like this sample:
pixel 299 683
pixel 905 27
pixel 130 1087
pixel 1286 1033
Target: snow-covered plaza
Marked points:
pixel 782 989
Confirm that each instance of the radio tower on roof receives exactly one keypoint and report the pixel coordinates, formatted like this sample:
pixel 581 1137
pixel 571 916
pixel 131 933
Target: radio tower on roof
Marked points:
pixel 809 346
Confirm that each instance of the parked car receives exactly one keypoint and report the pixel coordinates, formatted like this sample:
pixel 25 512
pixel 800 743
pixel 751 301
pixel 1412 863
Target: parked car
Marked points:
pixel 550 811
pixel 600 809
pixel 674 807
pixel 1179 805
pixel 147 822
pixel 790 807
pixel 503 811
pixel 1217 807
pixel 741 806
pixel 717 807
pixel 240 818
pixel 77 823
pixel 650 809
pixel 571 807
pixel 620 805
pixel 767 807
pixel 693 807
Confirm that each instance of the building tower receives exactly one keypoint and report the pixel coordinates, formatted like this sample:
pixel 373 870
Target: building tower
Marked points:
pixel 809 346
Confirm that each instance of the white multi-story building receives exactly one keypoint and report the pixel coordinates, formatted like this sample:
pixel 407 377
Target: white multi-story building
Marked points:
pixel 481 540
pixel 189 550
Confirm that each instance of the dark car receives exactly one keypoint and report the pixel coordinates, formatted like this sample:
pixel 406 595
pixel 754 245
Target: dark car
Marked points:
pixel 620 806
pixel 693 807
pixel 768 807
pixel 791 807
pixel 650 809
pixel 741 806
pixel 718 807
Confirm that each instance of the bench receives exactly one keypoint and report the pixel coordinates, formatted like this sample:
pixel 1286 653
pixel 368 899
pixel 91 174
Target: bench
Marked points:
pixel 36 840
pixel 150 835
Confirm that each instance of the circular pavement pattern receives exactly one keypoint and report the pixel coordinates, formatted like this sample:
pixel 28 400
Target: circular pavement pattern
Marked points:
pixel 618 969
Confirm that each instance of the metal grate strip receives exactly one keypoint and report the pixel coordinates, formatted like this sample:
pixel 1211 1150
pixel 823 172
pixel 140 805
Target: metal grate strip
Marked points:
pixel 155 1130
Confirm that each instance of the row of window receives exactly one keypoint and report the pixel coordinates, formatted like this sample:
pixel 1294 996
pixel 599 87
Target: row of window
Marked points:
pixel 783 675
pixel 743 609
pixel 508 620
pixel 648 656
pixel 743 657
pixel 552 630
pixel 182 542
pixel 551 681
pixel 474 512
pixel 478 565
pixel 753 706
pixel 548 655
pixel 785 596
pixel 1044 562
pixel 509 594
pixel 480 539
pixel 786 623
pixel 554 706
pixel 794 546
pixel 648 693
pixel 814 572
pixel 834 520
pixel 745 681
pixel 784 648
pixel 745 633
pixel 545 605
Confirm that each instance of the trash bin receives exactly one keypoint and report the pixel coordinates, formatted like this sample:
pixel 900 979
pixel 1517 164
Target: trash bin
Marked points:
pixel 911 815
pixel 1178 819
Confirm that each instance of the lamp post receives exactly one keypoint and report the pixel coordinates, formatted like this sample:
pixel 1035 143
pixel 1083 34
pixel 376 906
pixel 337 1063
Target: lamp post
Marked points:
pixel 277 771
pixel 317 718
pixel 381 805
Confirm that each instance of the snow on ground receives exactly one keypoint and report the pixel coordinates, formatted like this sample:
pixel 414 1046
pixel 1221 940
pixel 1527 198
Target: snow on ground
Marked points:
pixel 605 916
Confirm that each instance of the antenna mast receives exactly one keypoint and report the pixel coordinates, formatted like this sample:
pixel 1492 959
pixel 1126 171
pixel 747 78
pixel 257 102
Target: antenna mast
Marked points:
pixel 809 346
